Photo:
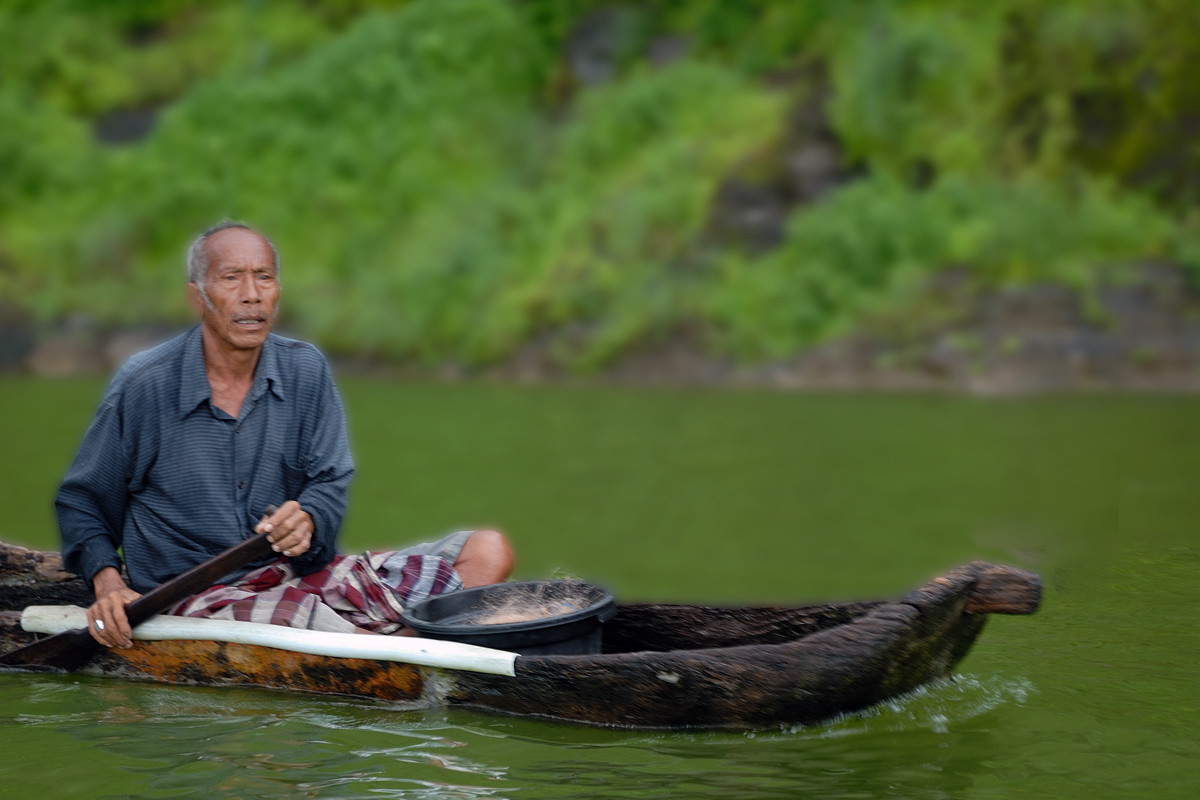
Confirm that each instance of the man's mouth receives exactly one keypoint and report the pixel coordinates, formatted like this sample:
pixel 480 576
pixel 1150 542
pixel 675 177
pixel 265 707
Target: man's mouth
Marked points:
pixel 249 322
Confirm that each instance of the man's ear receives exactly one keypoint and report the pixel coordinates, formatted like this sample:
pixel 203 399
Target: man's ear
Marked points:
pixel 195 299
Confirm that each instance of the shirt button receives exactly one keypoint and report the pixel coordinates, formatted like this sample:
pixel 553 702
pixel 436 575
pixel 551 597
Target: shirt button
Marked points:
pixel 241 484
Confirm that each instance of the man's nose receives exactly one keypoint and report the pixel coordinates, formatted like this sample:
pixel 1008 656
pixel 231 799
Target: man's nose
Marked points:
pixel 250 291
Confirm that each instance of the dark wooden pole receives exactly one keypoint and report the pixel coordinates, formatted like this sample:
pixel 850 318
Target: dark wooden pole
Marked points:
pixel 70 650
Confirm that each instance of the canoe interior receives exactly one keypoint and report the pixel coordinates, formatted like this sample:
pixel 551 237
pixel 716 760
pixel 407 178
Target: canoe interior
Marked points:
pixel 652 627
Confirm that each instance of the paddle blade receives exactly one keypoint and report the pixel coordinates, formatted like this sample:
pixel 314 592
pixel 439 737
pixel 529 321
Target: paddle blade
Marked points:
pixel 63 652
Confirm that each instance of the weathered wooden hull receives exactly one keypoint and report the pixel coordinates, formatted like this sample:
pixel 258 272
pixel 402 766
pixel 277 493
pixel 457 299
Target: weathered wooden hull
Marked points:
pixel 664 666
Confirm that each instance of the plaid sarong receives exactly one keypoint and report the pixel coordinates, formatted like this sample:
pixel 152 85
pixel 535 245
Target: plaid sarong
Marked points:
pixel 368 591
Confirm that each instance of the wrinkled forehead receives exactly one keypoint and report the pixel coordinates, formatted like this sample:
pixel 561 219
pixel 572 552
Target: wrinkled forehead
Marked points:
pixel 239 248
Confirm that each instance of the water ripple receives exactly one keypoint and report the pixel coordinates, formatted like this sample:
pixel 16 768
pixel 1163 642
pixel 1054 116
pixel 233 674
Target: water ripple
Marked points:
pixel 935 706
pixel 151 741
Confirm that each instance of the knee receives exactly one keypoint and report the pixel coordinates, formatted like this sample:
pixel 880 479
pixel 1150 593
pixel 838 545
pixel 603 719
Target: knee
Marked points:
pixel 497 548
pixel 490 547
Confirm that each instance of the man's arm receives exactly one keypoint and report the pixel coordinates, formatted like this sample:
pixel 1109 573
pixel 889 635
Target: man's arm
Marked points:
pixel 307 531
pixel 93 497
pixel 91 506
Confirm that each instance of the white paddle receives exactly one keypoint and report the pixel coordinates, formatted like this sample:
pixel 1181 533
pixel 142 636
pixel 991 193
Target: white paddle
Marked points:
pixel 406 649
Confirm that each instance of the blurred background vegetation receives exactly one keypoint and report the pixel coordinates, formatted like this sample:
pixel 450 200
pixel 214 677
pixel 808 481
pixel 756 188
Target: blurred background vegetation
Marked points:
pixel 454 180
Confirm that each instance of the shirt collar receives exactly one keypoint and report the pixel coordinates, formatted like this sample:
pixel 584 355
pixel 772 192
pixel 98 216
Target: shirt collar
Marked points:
pixel 268 366
pixel 193 384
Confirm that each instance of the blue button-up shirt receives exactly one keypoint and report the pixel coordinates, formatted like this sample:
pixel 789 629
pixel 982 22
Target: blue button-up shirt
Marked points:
pixel 173 480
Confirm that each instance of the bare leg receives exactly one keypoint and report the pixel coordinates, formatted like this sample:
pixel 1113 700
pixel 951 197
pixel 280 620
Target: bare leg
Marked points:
pixel 405 631
pixel 486 558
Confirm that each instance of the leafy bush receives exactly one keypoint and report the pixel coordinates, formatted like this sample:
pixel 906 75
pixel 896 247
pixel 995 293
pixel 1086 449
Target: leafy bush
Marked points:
pixel 868 246
pixel 442 189
pixel 422 205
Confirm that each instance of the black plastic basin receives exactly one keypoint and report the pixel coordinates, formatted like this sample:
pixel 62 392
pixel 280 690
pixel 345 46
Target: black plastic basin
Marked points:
pixel 574 630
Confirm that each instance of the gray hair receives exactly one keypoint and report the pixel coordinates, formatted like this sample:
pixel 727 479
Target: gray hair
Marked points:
pixel 197 256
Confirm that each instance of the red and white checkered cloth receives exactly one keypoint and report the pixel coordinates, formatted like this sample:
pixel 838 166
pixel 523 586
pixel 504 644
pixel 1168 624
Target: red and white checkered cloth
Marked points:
pixel 368 591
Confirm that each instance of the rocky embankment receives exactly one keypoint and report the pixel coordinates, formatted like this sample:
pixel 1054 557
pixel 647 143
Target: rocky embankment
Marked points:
pixel 1141 334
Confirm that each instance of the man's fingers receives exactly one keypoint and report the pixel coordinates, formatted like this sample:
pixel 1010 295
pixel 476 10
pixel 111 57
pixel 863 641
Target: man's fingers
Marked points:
pixel 304 532
pixel 107 622
pixel 96 628
pixel 275 518
pixel 116 623
pixel 289 530
pixel 124 628
pixel 298 537
pixel 103 628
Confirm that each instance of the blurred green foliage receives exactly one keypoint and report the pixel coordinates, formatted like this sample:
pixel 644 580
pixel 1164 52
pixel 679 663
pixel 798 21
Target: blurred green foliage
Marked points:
pixel 443 185
pixel 871 247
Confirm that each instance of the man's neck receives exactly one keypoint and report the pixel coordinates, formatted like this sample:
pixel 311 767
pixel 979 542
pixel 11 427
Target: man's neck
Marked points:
pixel 230 372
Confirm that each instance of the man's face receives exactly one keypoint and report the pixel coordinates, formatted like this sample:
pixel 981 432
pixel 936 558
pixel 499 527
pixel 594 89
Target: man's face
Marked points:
pixel 241 288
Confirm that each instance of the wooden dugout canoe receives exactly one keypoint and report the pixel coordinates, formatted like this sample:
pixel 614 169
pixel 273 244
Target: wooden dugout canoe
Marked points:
pixel 663 666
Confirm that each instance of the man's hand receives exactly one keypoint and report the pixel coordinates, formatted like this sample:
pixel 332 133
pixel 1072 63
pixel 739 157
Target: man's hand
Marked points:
pixel 107 622
pixel 289 530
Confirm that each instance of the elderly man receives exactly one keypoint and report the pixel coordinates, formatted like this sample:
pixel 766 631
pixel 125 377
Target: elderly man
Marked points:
pixel 197 437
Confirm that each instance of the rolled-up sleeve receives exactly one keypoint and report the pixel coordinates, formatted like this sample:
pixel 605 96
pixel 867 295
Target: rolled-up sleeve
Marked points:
pixel 92 500
pixel 328 470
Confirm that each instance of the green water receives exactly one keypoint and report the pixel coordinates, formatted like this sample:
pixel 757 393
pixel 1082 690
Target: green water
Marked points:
pixel 716 497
